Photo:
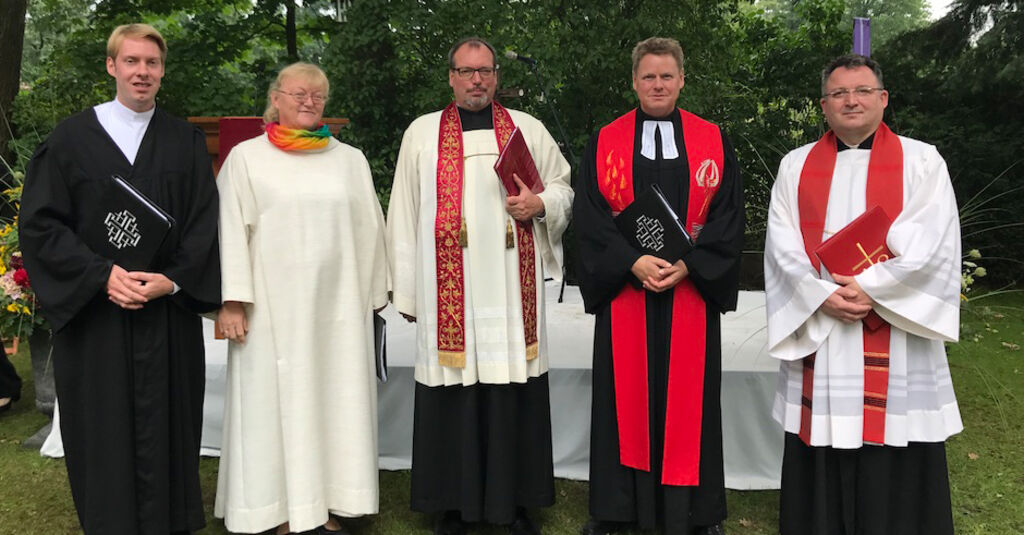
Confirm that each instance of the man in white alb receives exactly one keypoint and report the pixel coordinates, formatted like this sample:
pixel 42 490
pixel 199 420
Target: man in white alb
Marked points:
pixel 865 395
pixel 468 265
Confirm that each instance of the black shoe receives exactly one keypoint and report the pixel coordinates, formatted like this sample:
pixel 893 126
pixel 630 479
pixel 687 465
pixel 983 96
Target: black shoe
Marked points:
pixel 450 523
pixel 522 525
pixel 603 527
pixel 710 530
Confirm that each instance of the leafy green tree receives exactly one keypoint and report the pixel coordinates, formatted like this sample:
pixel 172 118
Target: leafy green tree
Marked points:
pixel 959 84
pixel 889 18
pixel 12 31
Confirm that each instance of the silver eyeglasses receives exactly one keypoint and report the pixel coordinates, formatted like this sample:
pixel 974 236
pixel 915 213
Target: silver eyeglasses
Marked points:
pixel 301 97
pixel 859 92
pixel 485 72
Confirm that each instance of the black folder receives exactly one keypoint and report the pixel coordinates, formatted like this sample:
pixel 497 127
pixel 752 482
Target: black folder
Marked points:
pixel 653 227
pixel 126 226
pixel 380 346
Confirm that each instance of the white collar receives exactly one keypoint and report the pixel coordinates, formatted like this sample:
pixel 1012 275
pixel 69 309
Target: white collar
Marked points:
pixel 669 151
pixel 128 115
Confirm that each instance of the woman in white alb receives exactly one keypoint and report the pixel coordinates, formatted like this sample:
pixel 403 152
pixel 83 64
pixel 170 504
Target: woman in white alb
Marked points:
pixel 303 260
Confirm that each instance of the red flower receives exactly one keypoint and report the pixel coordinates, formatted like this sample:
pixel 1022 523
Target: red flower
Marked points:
pixel 16 261
pixel 21 278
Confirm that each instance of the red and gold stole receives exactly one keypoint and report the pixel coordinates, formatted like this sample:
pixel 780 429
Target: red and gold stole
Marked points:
pixel 684 406
pixel 885 189
pixel 451 303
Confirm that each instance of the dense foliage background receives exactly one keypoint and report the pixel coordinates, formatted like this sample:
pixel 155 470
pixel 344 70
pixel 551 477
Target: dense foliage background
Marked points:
pixel 752 66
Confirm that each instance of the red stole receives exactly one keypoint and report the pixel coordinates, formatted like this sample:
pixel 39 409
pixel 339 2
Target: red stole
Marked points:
pixel 451 312
pixel 684 406
pixel 885 189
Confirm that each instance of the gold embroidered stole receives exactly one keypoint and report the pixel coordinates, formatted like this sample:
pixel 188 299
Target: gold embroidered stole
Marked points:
pixel 451 301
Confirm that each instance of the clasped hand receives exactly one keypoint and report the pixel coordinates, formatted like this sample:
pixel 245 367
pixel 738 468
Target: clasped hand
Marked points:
pixel 526 205
pixel 132 289
pixel 849 303
pixel 658 275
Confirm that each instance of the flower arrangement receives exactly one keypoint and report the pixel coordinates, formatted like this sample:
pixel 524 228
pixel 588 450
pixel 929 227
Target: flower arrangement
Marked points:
pixel 19 313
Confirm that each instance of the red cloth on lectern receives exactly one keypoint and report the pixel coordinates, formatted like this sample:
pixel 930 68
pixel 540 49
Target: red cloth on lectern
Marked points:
pixel 234 130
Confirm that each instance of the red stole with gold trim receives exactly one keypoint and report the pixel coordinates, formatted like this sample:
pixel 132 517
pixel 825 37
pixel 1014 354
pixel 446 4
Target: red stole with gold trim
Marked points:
pixel 684 406
pixel 885 189
pixel 451 304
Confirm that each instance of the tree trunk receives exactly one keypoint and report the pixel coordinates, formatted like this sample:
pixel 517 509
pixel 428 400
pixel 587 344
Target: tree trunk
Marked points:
pixel 12 36
pixel 290 32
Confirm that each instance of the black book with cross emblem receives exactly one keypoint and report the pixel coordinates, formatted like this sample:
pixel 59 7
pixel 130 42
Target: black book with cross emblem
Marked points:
pixel 653 227
pixel 126 227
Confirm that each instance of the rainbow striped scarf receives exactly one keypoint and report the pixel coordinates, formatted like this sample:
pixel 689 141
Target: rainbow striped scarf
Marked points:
pixel 296 139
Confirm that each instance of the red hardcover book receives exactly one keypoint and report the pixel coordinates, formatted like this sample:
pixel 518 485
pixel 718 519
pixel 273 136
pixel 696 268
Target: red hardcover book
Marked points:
pixel 516 158
pixel 856 247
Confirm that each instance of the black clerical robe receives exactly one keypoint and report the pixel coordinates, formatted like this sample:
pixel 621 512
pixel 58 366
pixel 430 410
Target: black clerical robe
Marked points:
pixel 130 383
pixel 619 493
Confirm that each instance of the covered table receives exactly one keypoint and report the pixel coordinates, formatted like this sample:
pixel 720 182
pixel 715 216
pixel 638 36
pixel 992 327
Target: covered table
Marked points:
pixel 752 441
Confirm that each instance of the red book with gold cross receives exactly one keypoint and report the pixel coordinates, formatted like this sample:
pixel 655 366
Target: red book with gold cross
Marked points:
pixel 856 247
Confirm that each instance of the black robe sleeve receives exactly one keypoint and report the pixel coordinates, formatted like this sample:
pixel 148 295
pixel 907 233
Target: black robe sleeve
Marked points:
pixel 605 258
pixel 714 262
pixel 65 274
pixel 195 264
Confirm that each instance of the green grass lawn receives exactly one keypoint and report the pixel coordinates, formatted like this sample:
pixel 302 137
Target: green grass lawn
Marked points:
pixel 985 461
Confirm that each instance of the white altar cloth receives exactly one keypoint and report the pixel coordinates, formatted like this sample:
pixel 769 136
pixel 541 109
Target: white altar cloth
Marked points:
pixel 752 440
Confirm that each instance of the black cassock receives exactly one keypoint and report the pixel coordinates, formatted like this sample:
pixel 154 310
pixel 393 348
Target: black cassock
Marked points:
pixel 130 383
pixel 619 493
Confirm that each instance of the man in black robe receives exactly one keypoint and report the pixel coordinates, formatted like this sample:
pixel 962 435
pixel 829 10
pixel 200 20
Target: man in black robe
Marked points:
pixel 622 496
pixel 127 346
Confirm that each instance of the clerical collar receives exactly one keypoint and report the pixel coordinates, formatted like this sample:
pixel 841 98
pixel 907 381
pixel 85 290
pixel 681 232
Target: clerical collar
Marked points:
pixel 476 120
pixel 128 115
pixel 666 130
pixel 125 126
pixel 864 145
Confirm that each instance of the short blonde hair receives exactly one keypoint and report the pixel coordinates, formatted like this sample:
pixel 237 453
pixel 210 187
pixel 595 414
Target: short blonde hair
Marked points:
pixel 660 46
pixel 307 71
pixel 135 30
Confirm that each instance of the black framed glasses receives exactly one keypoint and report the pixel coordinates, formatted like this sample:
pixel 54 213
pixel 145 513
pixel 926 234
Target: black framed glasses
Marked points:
pixel 859 92
pixel 485 72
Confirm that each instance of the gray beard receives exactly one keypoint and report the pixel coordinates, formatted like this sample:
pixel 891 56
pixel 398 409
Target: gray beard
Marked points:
pixel 476 103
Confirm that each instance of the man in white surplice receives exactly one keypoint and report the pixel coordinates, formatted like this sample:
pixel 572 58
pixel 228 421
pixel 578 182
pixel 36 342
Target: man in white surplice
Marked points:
pixel 857 461
pixel 482 437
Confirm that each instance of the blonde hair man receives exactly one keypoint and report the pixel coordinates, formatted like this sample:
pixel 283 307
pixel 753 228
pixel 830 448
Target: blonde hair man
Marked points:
pixel 127 345
pixel 656 440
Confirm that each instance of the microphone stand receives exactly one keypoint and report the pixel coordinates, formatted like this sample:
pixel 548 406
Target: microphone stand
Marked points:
pixel 565 143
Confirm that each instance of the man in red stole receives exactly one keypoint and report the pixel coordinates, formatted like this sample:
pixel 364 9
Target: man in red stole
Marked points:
pixel 865 395
pixel 656 434
pixel 468 264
